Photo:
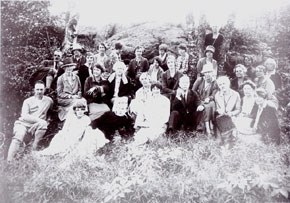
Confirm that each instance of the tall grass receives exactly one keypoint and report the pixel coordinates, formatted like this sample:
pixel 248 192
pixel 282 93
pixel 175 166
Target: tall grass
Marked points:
pixel 190 170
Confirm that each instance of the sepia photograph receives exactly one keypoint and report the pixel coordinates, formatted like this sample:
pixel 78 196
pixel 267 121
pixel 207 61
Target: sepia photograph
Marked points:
pixel 145 101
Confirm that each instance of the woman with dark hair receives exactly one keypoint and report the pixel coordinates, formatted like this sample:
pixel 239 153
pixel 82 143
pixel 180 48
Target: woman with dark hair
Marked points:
pixel 154 116
pixel 265 118
pixel 155 71
pixel 248 63
pixel 85 70
pixel 244 119
pixel 101 56
pixel 208 59
pixel 263 81
pixel 95 92
pixel 240 77
pixel 163 48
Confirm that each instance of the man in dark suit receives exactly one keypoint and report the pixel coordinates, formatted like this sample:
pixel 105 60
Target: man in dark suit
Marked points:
pixel 184 107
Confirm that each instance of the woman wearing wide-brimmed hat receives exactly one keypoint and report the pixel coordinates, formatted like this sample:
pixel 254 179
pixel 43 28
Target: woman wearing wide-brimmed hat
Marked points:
pixel 208 59
pixel 68 88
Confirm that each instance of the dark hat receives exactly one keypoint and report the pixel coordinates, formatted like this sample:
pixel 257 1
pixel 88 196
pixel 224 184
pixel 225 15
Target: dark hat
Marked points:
pixel 209 48
pixel 68 61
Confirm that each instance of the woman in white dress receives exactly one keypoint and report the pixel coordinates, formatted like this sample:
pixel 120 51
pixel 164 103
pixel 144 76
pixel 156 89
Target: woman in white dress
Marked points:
pixel 155 115
pixel 243 121
pixel 76 135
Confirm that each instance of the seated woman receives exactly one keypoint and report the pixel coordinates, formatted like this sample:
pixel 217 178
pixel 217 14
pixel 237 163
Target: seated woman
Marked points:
pixel 170 78
pixel 95 92
pixel 75 131
pixel 137 105
pixel 119 83
pixel 116 120
pixel 206 87
pixel 228 105
pixel 244 119
pixel 240 77
pixel 265 118
pixel 155 115
pixel 68 89
pixel 155 71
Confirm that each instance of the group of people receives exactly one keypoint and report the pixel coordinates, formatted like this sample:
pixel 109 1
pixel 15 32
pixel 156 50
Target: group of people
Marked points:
pixel 98 95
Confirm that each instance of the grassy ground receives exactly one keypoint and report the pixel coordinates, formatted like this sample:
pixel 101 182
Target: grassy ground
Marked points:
pixel 194 169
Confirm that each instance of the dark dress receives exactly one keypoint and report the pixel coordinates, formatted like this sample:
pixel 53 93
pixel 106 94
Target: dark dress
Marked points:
pixel 109 122
pixel 268 124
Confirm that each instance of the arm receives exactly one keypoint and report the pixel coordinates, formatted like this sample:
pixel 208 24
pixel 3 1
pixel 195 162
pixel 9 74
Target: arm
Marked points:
pixel 26 116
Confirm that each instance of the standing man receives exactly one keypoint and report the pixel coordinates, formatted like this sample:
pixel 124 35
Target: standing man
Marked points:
pixel 33 119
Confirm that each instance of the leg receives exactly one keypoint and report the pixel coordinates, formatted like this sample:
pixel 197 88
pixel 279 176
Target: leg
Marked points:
pixel 19 134
pixel 39 133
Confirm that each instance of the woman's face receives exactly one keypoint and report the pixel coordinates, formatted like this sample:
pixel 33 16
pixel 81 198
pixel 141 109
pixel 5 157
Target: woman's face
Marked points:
pixel 69 69
pixel 260 72
pixel 248 90
pixel 223 85
pixel 208 75
pixel 209 54
pixel 96 72
pixel 171 65
pixel 269 66
pixel 90 59
pixel 138 52
pixel 155 91
pixel 155 64
pixel 181 52
pixel 80 112
pixel 239 72
pixel 247 61
pixel 102 49
pixel 161 52
pixel 145 81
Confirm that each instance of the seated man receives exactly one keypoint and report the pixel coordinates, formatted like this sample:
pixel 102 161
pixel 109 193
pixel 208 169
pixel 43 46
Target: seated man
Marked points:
pixel 32 120
pixel 184 106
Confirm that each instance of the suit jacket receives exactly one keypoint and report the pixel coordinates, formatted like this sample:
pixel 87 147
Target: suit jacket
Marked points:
pixel 135 68
pixel 268 124
pixel 198 86
pixel 169 85
pixel 188 105
pixel 97 96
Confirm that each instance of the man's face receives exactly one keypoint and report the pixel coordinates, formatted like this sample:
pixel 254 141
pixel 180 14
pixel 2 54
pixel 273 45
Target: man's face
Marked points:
pixel 184 83
pixel 39 89
pixel 57 56
pixel 208 75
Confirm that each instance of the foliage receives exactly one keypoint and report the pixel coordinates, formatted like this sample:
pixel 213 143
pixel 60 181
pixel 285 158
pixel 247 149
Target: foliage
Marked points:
pixel 191 170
